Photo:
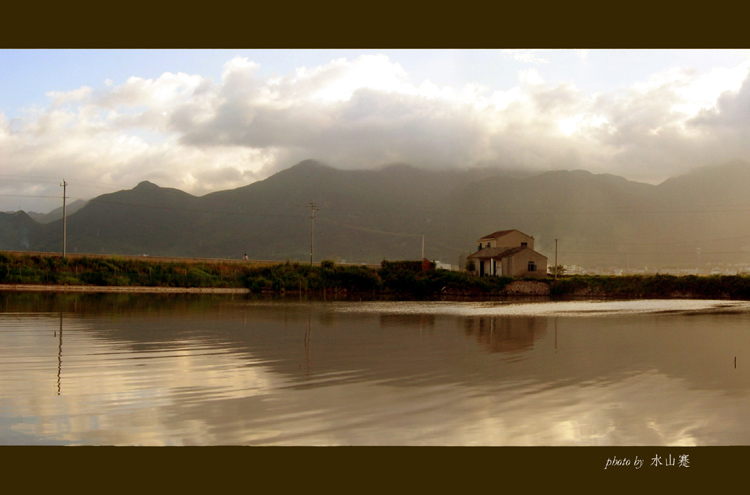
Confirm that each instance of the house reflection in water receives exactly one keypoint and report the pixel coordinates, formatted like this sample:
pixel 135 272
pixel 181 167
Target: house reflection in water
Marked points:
pixel 505 334
pixel 421 321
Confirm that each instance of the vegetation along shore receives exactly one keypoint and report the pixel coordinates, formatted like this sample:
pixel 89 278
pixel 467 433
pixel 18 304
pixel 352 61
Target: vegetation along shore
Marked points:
pixel 408 278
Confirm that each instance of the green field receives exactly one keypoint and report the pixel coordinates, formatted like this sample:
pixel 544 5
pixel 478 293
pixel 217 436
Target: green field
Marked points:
pixel 405 277
pixel 391 277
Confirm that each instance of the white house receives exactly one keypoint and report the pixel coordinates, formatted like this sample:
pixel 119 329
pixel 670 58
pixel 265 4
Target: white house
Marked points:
pixel 508 253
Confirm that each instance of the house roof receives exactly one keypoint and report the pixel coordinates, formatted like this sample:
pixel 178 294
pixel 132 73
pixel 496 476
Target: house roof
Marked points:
pixel 499 253
pixel 501 233
pixel 496 252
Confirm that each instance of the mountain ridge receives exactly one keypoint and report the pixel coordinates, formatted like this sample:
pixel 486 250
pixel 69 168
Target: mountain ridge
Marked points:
pixel 371 215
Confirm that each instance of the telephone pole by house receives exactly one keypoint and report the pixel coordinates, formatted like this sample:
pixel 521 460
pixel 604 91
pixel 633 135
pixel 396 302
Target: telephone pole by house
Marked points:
pixel 556 269
pixel 313 209
pixel 64 185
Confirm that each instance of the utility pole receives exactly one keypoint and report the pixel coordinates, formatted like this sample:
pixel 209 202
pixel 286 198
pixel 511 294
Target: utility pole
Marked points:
pixel 556 265
pixel 422 246
pixel 64 185
pixel 313 209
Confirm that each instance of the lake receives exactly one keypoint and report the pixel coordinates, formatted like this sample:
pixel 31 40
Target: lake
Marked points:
pixel 129 369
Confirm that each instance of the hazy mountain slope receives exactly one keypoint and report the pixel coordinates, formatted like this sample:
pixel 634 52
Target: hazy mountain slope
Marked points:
pixel 57 213
pixel 709 208
pixel 361 215
pixel 578 208
pixel 17 231
pixel 147 219
pixel 370 215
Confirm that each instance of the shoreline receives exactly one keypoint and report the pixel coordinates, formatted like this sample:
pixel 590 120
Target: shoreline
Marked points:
pixel 121 288
pixel 515 288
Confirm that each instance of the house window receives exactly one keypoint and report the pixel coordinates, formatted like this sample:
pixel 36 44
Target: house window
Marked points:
pixel 488 244
pixel 524 244
pixel 532 266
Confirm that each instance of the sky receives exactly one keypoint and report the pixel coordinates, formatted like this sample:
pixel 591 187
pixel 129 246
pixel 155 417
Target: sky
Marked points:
pixel 103 120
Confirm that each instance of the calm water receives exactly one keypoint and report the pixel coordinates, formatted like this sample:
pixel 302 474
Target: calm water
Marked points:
pixel 209 370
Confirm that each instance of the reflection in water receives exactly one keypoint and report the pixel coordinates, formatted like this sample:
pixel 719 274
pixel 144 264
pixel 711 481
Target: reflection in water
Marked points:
pixel 505 334
pixel 308 342
pixel 422 321
pixel 59 356
pixel 204 370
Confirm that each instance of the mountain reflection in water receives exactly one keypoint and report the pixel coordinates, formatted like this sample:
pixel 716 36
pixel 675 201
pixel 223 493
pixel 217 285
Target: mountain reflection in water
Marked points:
pixel 219 370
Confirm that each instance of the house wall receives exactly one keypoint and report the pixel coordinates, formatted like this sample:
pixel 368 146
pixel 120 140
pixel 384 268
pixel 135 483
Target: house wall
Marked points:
pixel 518 264
pixel 507 267
pixel 515 266
pixel 511 239
pixel 488 267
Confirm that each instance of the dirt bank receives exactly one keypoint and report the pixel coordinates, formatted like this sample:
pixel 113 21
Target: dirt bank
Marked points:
pixel 517 288
pixel 110 288
pixel 526 288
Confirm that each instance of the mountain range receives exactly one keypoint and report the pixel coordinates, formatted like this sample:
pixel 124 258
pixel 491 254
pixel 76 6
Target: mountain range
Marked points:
pixel 365 216
pixel 58 213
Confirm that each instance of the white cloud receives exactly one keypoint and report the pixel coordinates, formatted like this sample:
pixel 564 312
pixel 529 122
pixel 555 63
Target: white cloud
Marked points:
pixel 527 56
pixel 704 88
pixel 198 135
pixel 70 97
pixel 339 80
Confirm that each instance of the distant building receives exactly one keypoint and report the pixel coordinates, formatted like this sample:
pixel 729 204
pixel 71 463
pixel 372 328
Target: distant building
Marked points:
pixel 508 253
pixel 443 266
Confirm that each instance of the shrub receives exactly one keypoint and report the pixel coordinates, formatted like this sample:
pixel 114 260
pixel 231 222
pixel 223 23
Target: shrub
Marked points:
pixel 68 280
pixel 257 284
pixel 357 278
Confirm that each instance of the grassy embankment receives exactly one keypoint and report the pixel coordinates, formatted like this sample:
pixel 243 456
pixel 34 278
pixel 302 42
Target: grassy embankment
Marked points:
pixel 392 277
pixel 654 286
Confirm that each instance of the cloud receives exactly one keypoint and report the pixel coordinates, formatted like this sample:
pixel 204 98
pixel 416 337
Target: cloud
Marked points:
pixel 732 110
pixel 186 131
pixel 526 56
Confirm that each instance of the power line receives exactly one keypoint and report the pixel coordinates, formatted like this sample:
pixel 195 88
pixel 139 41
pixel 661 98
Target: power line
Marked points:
pixel 10 178
pixel 557 211
pixel 26 196
pixel 314 207
pixel 374 231
pixel 443 212
pixel 693 241
pixel 365 229
pixel 195 210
